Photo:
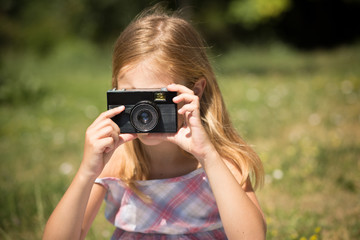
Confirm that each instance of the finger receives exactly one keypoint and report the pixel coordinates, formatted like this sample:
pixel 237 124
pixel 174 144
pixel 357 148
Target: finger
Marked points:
pixel 113 141
pixel 188 108
pixel 191 104
pixel 116 138
pixel 113 112
pixel 179 88
pixel 105 123
pixel 193 119
pixel 109 114
pixel 170 137
pixel 122 139
pixel 105 132
pixel 106 144
pixel 115 127
pixel 126 137
pixel 186 97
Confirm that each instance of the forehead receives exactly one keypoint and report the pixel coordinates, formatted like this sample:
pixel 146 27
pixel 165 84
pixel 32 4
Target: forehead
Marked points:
pixel 145 74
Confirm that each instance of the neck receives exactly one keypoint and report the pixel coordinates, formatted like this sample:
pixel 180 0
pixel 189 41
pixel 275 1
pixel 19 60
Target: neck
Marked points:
pixel 168 160
pixel 164 153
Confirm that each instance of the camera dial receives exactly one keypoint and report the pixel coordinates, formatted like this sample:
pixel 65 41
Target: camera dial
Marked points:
pixel 144 116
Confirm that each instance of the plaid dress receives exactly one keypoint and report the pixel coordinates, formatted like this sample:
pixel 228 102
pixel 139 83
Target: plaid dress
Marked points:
pixel 181 208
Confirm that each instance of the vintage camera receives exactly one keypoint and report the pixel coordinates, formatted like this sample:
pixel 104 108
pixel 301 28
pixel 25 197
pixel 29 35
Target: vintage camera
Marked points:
pixel 146 110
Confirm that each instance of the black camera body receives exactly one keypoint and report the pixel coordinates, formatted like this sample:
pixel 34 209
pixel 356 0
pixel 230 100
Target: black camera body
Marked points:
pixel 146 110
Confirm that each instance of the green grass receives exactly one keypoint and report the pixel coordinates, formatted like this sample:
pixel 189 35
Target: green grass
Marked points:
pixel 300 111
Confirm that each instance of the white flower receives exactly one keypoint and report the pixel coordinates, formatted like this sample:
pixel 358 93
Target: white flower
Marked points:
pixel 66 168
pixel 278 174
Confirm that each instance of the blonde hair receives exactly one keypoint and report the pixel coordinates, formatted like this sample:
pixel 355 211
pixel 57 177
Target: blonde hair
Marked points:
pixel 177 48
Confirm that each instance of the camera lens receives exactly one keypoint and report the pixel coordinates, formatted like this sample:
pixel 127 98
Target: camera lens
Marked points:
pixel 144 116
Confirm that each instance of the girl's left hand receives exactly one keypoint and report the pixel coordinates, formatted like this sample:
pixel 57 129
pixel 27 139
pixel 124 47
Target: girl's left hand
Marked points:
pixel 191 136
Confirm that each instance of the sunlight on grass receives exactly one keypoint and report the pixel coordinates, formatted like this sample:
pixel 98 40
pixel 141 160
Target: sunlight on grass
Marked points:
pixel 300 111
pixel 303 119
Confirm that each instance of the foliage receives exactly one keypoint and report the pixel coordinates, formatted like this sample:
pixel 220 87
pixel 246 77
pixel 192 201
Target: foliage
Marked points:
pixel 18 87
pixel 39 25
pixel 42 24
pixel 300 111
pixel 250 13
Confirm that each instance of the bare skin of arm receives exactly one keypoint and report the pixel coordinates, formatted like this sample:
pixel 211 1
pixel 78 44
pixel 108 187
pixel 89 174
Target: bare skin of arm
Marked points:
pixel 239 209
pixel 74 214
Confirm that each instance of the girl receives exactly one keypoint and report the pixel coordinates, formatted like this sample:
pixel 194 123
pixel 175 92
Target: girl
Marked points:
pixel 193 184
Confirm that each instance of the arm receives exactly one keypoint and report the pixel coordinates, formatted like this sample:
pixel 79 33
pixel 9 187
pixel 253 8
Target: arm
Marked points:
pixel 96 198
pixel 67 219
pixel 74 214
pixel 239 210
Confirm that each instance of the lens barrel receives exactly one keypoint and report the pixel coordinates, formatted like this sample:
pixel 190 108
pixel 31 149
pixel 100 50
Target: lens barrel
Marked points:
pixel 144 116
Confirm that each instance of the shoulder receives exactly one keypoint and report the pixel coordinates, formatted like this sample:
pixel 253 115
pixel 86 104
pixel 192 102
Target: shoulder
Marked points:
pixel 244 183
pixel 236 172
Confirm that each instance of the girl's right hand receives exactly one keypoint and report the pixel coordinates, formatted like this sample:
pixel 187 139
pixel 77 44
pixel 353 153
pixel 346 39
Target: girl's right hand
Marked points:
pixel 102 138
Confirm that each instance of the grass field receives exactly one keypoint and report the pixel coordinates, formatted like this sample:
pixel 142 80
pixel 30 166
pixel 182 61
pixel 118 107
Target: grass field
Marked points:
pixel 300 111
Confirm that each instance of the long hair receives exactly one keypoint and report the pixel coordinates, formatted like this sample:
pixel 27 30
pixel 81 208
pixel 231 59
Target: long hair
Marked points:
pixel 178 49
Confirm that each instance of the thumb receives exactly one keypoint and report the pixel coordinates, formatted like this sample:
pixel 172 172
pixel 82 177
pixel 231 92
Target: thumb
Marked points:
pixel 126 137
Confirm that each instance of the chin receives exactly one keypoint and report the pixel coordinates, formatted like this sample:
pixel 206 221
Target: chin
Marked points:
pixel 150 139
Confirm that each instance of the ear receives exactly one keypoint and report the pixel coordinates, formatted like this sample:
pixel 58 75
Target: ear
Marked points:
pixel 199 87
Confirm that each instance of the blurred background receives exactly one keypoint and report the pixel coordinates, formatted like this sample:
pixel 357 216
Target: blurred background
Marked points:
pixel 288 69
